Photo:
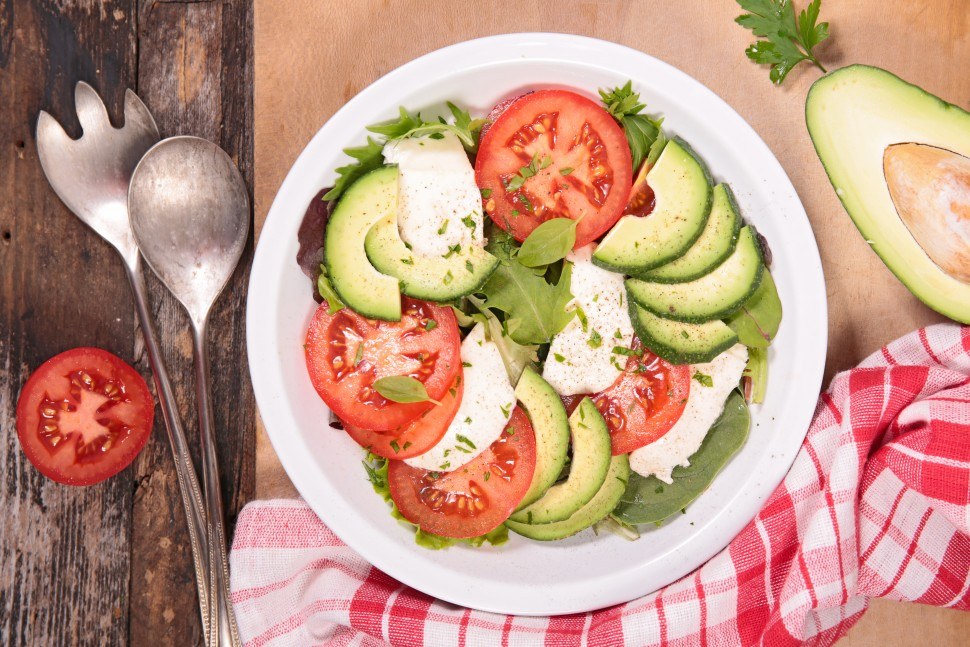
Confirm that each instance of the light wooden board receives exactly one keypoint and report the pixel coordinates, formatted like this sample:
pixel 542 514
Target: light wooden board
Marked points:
pixel 311 57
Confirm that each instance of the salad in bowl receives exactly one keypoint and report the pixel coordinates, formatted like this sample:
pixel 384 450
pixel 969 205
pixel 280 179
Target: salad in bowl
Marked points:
pixel 543 319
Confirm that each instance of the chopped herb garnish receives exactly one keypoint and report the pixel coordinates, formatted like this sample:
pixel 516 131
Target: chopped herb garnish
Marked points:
pixel 486 193
pixel 515 212
pixel 558 357
pixel 469 266
pixel 705 380
pixel 628 352
pixel 444 465
pixel 431 324
pixel 448 278
pixel 453 391
pixel 434 475
pixel 595 340
pixel 468 420
pixel 463 450
pixel 407 261
pixel 395 446
pixel 565 171
pixel 359 355
pixel 469 222
pixel 464 439
pixel 684 334
pixel 581 315
pixel 443 228
pixel 618 334
pixel 407 444
pixel 466 364
pixel 454 249
pixel 596 297
pixel 525 202
pixel 506 410
pixel 487 476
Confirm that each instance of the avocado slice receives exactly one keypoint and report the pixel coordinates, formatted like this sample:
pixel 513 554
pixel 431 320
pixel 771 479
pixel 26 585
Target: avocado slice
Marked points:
pixel 595 510
pixel 898 159
pixel 587 471
pixel 438 278
pixel 715 244
pixel 713 296
pixel 551 427
pixel 367 291
pixel 682 186
pixel 678 342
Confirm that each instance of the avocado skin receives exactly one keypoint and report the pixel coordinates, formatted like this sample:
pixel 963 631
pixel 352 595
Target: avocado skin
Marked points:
pixel 845 112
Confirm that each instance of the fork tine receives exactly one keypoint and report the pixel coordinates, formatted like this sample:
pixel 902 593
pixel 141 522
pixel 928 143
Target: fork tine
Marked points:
pixel 50 134
pixel 91 112
pixel 137 114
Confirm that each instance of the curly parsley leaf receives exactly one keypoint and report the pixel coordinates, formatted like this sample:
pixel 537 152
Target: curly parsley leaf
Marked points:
pixel 534 308
pixel 642 132
pixel 367 158
pixel 466 129
pixel 788 40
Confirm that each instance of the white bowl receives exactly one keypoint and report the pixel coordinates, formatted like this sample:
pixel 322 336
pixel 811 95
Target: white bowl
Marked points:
pixel 586 571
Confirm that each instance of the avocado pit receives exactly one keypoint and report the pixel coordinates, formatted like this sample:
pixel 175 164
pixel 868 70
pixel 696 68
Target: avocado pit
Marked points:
pixel 930 188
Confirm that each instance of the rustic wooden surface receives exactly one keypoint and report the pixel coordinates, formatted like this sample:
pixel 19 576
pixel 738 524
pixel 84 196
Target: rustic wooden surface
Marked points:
pixel 109 564
pixel 311 57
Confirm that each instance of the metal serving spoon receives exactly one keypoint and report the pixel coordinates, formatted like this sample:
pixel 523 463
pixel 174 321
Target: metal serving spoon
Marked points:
pixel 90 175
pixel 190 215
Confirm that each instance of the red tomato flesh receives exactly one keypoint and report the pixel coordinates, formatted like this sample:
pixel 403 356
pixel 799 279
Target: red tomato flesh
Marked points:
pixel 587 171
pixel 476 498
pixel 83 416
pixel 346 353
pixel 643 403
pixel 417 436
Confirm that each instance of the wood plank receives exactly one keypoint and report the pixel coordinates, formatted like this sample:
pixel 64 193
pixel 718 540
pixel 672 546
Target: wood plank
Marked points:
pixel 194 71
pixel 366 39
pixel 64 552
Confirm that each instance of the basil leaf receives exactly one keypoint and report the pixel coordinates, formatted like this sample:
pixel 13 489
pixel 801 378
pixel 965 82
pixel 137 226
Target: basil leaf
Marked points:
pixel 756 323
pixel 650 500
pixel 402 388
pixel 548 242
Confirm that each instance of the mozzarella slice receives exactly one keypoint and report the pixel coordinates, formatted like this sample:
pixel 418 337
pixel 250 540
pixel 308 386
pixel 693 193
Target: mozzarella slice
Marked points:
pixel 704 406
pixel 485 408
pixel 439 204
pixel 581 357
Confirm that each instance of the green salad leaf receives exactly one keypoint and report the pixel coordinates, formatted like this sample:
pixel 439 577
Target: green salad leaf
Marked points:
pixel 376 468
pixel 642 132
pixel 756 323
pixel 650 500
pixel 402 388
pixel 515 356
pixel 549 242
pixel 787 40
pixel 534 308
pixel 467 130
pixel 327 293
pixel 368 158
pixel 756 373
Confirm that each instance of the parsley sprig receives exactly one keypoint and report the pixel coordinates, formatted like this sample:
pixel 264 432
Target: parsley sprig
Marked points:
pixel 788 40
pixel 643 133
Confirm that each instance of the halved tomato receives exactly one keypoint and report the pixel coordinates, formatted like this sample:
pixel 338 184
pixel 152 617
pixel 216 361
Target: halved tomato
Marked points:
pixel 346 353
pixel 573 155
pixel 84 415
pixel 417 436
pixel 643 403
pixel 474 499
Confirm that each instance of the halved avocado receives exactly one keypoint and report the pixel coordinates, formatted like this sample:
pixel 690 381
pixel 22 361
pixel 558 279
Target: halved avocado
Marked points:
pixel 433 278
pixel 551 426
pixel 360 286
pixel 606 498
pixel 682 185
pixel 587 471
pixel 898 159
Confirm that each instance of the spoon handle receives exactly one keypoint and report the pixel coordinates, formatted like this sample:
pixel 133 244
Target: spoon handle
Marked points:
pixel 223 631
pixel 184 468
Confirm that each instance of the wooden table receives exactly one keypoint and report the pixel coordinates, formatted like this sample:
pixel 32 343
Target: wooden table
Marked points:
pixel 109 564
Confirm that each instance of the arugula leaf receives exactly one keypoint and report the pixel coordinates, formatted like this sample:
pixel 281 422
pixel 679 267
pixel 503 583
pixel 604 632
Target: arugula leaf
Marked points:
pixel 402 388
pixel 327 293
pixel 788 40
pixel 369 157
pixel 756 323
pixel 376 468
pixel 467 130
pixel 650 500
pixel 548 242
pixel 535 309
pixel 405 123
pixel 642 132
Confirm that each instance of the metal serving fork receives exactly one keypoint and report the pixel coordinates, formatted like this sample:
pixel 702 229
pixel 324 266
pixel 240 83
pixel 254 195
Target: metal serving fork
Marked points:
pixel 91 175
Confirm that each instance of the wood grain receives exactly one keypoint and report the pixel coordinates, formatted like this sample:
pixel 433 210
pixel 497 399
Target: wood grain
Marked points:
pixel 343 46
pixel 109 564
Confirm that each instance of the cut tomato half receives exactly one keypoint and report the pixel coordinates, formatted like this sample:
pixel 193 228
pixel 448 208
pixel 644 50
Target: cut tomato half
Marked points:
pixel 474 499
pixel 83 416
pixel 417 436
pixel 554 154
pixel 346 353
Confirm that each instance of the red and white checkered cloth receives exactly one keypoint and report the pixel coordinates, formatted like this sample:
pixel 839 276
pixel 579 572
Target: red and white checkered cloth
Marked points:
pixel 877 504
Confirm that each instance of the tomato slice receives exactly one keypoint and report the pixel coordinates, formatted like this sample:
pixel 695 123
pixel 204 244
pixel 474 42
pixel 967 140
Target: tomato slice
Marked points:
pixel 346 353
pixel 587 170
pixel 417 436
pixel 84 415
pixel 474 499
pixel 643 403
